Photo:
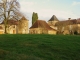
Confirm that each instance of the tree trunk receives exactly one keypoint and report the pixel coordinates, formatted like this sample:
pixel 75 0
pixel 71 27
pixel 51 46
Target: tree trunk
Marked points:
pixel 5 24
pixel 5 29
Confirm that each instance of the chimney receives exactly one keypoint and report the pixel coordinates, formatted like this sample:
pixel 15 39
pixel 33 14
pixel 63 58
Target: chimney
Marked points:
pixel 69 18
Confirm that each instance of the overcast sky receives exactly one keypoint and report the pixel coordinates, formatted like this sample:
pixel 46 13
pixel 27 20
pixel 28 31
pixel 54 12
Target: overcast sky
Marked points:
pixel 63 9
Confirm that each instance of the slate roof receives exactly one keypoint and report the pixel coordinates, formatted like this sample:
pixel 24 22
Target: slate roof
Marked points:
pixel 41 24
pixel 53 18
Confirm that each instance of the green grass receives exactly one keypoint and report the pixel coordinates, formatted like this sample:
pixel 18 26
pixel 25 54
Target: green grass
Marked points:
pixel 39 47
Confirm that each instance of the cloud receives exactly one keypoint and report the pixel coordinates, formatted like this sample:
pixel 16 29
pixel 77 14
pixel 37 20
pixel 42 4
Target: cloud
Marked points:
pixel 47 13
pixel 27 3
pixel 43 13
pixel 26 6
pixel 75 3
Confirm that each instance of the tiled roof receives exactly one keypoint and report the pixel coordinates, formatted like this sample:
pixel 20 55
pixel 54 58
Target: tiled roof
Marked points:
pixel 41 24
pixel 11 22
pixel 14 22
pixel 66 22
pixel 1 27
pixel 78 21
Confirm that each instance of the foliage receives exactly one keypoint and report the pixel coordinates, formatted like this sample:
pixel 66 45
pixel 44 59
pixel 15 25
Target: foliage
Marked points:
pixel 39 47
pixel 34 17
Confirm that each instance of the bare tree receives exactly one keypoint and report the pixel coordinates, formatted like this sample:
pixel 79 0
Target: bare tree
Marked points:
pixel 9 9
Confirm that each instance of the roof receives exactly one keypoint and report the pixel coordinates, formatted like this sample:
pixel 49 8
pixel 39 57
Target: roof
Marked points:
pixel 1 27
pixel 78 21
pixel 66 22
pixel 53 18
pixel 41 24
pixel 23 18
pixel 11 22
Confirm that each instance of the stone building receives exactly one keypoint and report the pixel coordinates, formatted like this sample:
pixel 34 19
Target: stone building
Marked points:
pixel 69 26
pixel 15 26
pixel 11 27
pixel 2 29
pixel 41 27
pixel 53 20
pixel 23 26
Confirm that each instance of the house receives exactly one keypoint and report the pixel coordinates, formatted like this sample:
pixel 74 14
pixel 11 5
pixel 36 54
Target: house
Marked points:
pixel 11 27
pixel 53 20
pixel 69 26
pixel 78 25
pixel 41 27
pixel 23 26
pixel 15 26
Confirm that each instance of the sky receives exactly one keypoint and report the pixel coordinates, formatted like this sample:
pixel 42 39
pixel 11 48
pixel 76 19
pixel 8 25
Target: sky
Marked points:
pixel 62 9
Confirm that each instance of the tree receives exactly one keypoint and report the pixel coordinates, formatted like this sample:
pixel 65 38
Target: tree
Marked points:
pixel 34 17
pixel 9 9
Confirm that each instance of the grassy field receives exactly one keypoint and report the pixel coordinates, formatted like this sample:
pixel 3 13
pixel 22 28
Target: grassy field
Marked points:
pixel 39 47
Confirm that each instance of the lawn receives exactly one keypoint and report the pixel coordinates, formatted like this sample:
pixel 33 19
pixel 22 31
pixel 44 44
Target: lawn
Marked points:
pixel 39 47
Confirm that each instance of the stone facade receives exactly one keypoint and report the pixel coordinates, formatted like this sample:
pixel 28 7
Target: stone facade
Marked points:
pixel 41 27
pixel 53 20
pixel 15 27
pixel 23 27
pixel 12 29
pixel 2 29
pixel 68 26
